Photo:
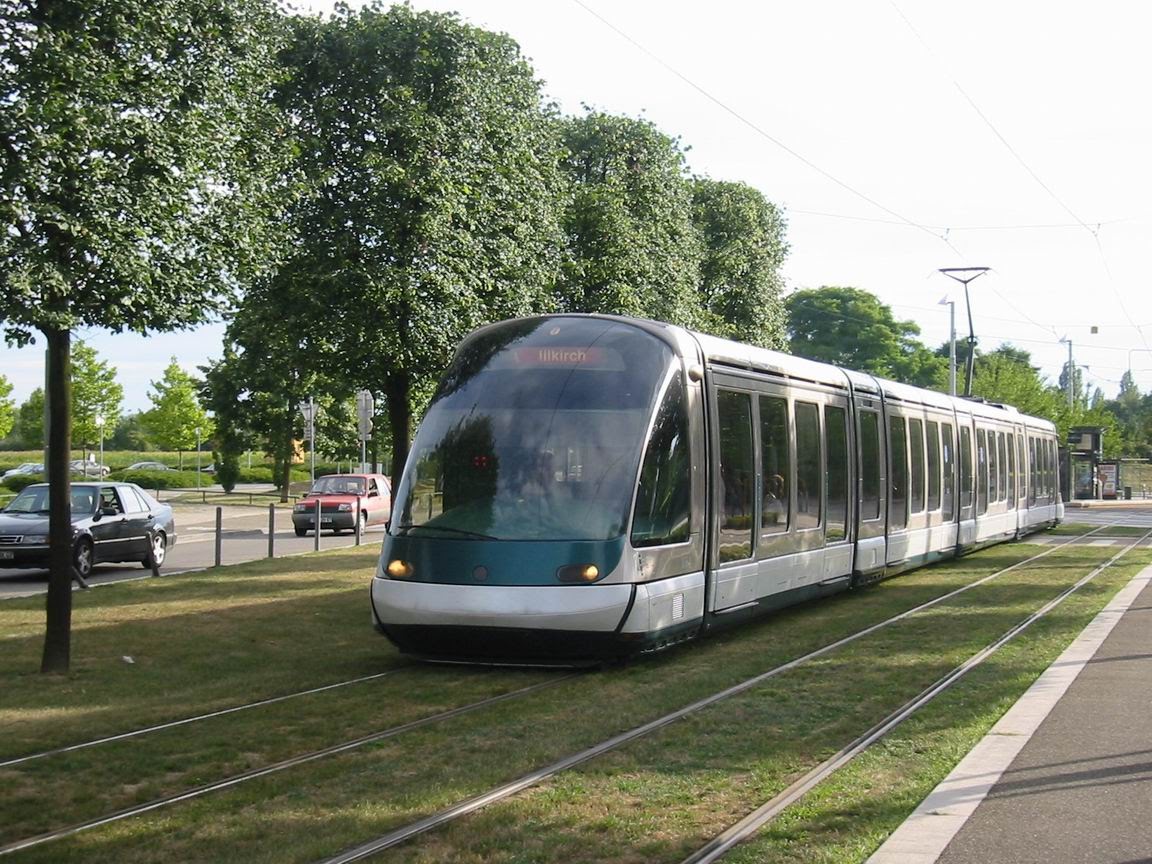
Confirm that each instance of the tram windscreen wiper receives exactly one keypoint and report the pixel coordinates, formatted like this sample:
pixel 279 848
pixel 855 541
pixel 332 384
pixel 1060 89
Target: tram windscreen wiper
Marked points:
pixel 447 528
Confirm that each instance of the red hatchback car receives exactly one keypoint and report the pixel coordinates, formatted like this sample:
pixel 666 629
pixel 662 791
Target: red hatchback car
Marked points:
pixel 344 498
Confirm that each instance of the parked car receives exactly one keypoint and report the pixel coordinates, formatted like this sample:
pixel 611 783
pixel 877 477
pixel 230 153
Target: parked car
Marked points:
pixel 26 468
pixel 338 495
pixel 90 469
pixel 110 522
pixel 148 466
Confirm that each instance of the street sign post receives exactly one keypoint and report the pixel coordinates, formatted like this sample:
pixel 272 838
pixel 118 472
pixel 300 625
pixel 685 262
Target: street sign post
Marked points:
pixel 365 407
pixel 308 410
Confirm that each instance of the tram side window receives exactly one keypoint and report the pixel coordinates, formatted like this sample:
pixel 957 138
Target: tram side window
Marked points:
pixel 1032 472
pixel 836 434
pixel 965 467
pixel 1010 445
pixel 932 431
pixel 1051 449
pixel 776 506
pixel 916 449
pixel 898 505
pixel 948 464
pixel 736 474
pixel 981 472
pixel 1002 446
pixel 809 477
pixel 869 465
pixel 993 470
pixel 664 494
pixel 1021 466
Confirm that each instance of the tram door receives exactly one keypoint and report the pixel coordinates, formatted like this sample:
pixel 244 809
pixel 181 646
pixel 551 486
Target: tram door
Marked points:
pixel 871 483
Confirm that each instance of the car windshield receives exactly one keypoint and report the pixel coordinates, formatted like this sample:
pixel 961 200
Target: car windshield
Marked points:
pixel 34 499
pixel 338 486
pixel 535 433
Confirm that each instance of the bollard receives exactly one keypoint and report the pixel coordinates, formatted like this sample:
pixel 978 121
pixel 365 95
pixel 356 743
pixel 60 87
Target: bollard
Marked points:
pixel 316 542
pixel 152 565
pixel 356 516
pixel 219 532
pixel 271 530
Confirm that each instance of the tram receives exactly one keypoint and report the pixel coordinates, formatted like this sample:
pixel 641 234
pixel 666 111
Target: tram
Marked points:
pixel 586 487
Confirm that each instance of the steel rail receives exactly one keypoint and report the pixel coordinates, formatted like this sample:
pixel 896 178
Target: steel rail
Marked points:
pixel 499 793
pixel 274 768
pixel 172 724
pixel 757 819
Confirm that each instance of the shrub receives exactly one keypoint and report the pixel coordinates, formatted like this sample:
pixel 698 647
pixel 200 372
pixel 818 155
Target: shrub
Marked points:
pixel 18 481
pixel 163 479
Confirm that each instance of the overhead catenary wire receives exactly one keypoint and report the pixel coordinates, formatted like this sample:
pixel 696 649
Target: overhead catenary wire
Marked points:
pixel 1094 231
pixel 763 133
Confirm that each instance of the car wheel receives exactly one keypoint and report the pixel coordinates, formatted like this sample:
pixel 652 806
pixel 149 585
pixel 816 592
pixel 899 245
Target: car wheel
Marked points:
pixel 300 531
pixel 82 557
pixel 159 550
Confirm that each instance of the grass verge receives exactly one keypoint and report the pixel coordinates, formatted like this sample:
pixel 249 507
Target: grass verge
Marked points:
pixel 646 806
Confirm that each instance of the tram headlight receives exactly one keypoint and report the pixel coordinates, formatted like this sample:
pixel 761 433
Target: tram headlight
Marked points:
pixel 578 573
pixel 398 569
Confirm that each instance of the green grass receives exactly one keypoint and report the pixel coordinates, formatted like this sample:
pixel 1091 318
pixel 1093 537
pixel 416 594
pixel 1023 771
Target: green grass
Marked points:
pixel 256 630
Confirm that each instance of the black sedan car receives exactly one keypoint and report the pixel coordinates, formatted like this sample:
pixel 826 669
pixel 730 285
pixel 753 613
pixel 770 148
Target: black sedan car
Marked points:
pixel 110 522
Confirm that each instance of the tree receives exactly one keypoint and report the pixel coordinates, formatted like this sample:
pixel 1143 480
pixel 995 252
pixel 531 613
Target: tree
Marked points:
pixel 851 327
pixel 176 420
pixel 7 408
pixel 1007 375
pixel 430 170
pixel 744 248
pixel 30 420
pixel 95 395
pixel 134 138
pixel 632 248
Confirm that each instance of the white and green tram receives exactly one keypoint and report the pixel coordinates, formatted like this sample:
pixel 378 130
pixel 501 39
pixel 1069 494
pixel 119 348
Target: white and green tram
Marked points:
pixel 584 487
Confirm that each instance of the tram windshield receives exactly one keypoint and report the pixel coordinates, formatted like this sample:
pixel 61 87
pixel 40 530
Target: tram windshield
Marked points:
pixel 535 433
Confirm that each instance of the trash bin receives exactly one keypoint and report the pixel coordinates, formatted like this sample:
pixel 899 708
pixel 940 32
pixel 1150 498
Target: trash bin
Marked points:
pixel 1127 493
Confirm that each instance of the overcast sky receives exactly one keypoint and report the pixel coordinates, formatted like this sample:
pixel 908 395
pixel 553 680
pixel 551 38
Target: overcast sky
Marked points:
pixel 899 137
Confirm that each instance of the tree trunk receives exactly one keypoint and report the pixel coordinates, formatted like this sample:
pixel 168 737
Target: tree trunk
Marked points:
pixel 286 466
pixel 397 390
pixel 58 627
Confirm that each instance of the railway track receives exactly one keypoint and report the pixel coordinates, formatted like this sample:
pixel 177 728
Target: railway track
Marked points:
pixel 443 817
pixel 757 819
pixel 470 805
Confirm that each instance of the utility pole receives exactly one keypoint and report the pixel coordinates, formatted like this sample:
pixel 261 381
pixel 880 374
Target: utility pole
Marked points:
pixel 951 304
pixel 1071 373
pixel 964 275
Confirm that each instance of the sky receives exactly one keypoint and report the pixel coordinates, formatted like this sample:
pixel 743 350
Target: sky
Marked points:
pixel 899 137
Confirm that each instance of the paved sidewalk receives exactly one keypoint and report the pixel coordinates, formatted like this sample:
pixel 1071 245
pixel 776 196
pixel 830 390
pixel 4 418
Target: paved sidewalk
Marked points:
pixel 1066 775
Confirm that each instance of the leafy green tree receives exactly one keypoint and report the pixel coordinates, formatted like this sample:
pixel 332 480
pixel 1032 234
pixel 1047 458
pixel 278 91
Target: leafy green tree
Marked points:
pixel 130 434
pixel 632 248
pixel 176 420
pixel 1007 375
pixel 7 408
pixel 30 420
pixel 134 138
pixel 96 395
pixel 851 327
pixel 744 248
pixel 431 182
pixel 221 391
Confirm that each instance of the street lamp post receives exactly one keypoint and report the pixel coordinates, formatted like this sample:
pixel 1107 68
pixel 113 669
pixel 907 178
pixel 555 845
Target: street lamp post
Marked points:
pixel 197 457
pixel 1071 375
pixel 951 304
pixel 100 427
pixel 964 275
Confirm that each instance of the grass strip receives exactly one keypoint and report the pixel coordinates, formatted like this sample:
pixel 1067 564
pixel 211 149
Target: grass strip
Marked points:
pixel 159 649
pixel 357 796
pixel 664 796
